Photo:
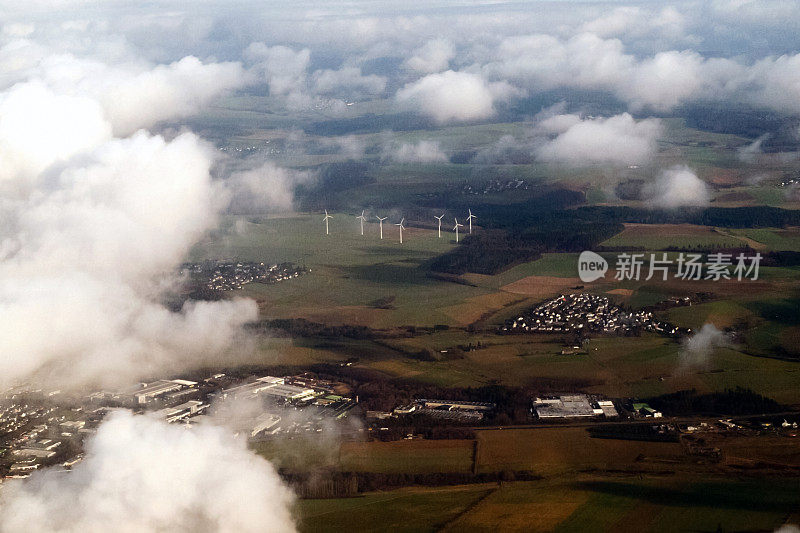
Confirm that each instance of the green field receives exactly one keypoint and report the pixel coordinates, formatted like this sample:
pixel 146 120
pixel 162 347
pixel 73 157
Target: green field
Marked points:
pixel 408 510
pixel 773 238
pixel 351 275
pixel 663 236
pixel 565 505
pixel 614 366
pixel 407 456
pixel 348 271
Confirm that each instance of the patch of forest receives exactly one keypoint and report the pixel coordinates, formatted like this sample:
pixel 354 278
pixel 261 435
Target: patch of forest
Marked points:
pixel 738 401
pixel 522 232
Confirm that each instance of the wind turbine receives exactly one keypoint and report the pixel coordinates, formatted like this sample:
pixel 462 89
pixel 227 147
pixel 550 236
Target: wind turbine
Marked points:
pixel 456 228
pixel 363 219
pixel 380 221
pixel 439 218
pixel 469 218
pixel 327 216
pixel 402 227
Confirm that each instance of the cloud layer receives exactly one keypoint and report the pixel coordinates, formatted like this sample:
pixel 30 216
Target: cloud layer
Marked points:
pixel 83 258
pixel 619 140
pixel 452 96
pixel 96 216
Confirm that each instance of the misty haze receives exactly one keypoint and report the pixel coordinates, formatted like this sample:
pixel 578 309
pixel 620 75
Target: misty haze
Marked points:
pixel 411 266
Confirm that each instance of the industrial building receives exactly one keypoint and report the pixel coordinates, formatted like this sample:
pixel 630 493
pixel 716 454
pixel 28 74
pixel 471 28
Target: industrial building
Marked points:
pixel 290 392
pixel 643 409
pixel 568 406
pixel 270 386
pixel 573 406
pixel 607 406
pixel 152 391
pixel 182 411
pixel 264 423
pixel 43 448
pixel 455 404
pixel 252 389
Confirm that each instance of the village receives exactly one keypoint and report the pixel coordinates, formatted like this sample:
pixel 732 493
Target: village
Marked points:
pixel 495 186
pixel 585 313
pixel 229 275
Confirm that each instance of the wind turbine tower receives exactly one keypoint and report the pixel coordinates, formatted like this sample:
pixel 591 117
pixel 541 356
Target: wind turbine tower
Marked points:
pixel 402 227
pixel 363 219
pixel 469 219
pixel 327 217
pixel 380 222
pixel 456 228
pixel 439 218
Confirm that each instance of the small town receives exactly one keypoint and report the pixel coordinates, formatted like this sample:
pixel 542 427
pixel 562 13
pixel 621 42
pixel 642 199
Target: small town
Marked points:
pixel 39 428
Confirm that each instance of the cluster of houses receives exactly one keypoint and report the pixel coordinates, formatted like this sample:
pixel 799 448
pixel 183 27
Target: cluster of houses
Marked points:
pixel 495 186
pixel 35 431
pixel 587 313
pixel 229 276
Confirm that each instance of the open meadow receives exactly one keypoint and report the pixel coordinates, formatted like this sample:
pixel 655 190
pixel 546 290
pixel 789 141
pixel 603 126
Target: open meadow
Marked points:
pixel 566 504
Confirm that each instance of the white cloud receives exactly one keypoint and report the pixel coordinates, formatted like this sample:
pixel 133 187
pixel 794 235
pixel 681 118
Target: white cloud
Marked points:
pixel 433 56
pixel 133 94
pixel 772 82
pixel 420 152
pixel 283 68
pixel 660 82
pixel 664 81
pixel 750 152
pixel 142 474
pixel 83 258
pixel 93 224
pixel 637 22
pixel 584 60
pixel 506 150
pixel 266 187
pixel 452 96
pixel 698 348
pixel 558 124
pixel 350 146
pixel 618 140
pixel 140 99
pixel 39 128
pixel 347 80
pixel 677 187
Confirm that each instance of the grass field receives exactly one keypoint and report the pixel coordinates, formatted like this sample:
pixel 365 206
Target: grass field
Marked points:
pixel 348 271
pixel 559 450
pixel 662 236
pixel 407 510
pixel 565 504
pixel 407 456
pixel 615 366
pixel 773 238
pixel 631 505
